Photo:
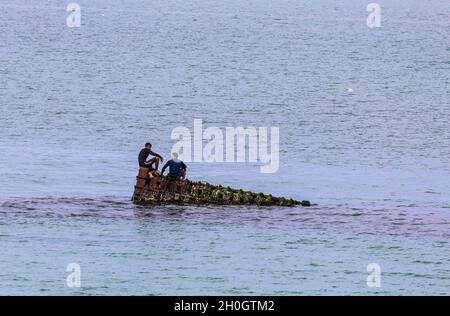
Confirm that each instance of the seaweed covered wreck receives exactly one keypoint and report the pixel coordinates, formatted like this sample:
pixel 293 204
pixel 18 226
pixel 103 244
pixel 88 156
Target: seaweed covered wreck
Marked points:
pixel 161 189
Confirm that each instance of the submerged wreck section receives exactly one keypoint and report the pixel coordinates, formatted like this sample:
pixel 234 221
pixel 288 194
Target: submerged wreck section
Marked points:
pixel 164 190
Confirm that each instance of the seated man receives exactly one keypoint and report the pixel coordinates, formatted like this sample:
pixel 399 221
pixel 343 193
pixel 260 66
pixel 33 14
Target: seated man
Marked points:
pixel 177 168
pixel 142 159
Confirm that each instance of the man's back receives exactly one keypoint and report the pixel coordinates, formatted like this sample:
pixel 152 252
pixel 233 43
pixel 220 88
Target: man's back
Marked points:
pixel 142 158
pixel 175 168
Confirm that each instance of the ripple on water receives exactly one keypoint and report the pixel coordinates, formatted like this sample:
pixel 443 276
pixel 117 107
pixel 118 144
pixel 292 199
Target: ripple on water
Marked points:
pixel 365 219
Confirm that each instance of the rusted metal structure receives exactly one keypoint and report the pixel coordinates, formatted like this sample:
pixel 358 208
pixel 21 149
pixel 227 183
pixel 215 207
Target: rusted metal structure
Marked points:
pixel 164 190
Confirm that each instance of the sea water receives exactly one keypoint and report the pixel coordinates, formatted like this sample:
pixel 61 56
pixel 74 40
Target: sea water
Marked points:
pixel 364 134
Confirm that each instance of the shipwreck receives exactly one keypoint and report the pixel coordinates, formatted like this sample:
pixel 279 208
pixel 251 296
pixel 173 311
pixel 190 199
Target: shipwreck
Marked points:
pixel 160 190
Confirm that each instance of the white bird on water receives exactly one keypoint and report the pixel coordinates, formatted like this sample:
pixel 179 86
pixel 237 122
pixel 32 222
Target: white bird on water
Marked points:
pixel 350 90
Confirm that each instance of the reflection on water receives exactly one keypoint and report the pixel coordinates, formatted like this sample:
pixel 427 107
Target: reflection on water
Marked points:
pixel 388 218
pixel 127 249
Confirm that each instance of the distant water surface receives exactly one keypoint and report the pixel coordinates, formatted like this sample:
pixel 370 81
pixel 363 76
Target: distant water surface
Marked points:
pixel 78 104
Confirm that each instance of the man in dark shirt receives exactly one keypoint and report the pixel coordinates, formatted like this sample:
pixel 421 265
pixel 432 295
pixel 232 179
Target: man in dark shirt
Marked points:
pixel 143 155
pixel 177 168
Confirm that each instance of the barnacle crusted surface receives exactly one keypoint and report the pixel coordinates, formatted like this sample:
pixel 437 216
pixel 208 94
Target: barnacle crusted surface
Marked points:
pixel 164 190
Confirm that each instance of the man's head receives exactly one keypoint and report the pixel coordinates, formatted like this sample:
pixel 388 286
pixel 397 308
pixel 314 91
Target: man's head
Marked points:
pixel 148 146
pixel 174 156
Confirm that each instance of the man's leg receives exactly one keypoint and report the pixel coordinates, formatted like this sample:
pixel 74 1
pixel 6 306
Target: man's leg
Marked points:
pixel 151 173
pixel 154 160
pixel 157 164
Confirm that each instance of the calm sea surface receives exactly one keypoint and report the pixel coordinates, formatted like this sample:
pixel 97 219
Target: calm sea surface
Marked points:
pixel 77 104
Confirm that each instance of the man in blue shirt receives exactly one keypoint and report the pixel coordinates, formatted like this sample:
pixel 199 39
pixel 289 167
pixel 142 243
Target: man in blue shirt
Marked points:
pixel 177 168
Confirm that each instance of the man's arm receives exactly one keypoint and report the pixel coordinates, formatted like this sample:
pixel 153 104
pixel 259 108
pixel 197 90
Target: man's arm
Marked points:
pixel 156 155
pixel 183 166
pixel 165 167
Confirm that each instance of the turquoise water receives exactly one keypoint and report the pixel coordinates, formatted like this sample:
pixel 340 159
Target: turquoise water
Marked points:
pixel 77 105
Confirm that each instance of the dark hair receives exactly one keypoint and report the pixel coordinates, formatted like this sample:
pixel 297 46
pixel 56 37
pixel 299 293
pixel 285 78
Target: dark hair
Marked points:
pixel 148 145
